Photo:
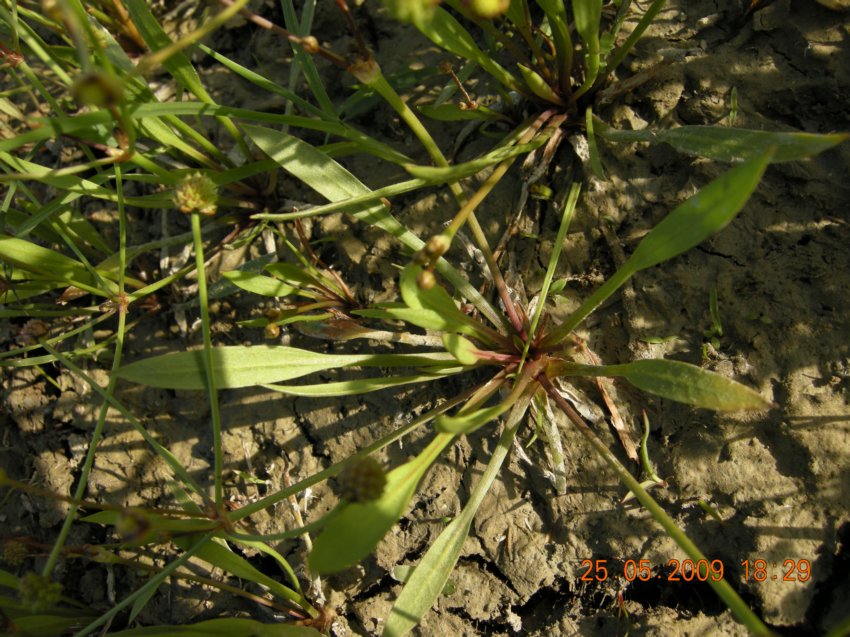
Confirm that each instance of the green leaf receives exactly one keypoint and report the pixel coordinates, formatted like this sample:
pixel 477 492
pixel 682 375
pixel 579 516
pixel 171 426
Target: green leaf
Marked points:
pixel 470 421
pixel 258 284
pixel 431 574
pixel 335 183
pixel 691 223
pixel 462 349
pixel 538 85
pixel 700 217
pixel 220 556
pixel 442 174
pixel 155 37
pixel 351 387
pixel 354 533
pixel 588 14
pixel 447 33
pixel 681 382
pixel 730 144
pixel 49 264
pixel 241 366
pixel 420 317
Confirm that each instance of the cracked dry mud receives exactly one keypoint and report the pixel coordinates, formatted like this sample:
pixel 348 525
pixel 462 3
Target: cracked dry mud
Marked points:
pixel 780 481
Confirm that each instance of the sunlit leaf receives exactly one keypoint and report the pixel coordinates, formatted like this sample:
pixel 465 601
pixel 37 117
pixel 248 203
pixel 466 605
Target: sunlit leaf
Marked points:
pixel 470 421
pixel 681 382
pixel 688 225
pixel 431 574
pixel 462 349
pixel 447 33
pixel 241 366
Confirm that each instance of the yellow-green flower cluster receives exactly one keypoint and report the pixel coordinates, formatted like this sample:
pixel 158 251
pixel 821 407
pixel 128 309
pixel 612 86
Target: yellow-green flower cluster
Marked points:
pixel 196 193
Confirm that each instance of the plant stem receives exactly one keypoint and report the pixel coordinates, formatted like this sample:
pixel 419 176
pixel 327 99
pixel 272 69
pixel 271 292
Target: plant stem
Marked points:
pixel 726 593
pixel 207 357
pixel 370 74
pixel 82 484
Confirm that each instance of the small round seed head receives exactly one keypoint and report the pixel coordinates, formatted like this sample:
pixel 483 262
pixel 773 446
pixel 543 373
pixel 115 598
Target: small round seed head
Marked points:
pixel 14 552
pixel 488 8
pixel 437 246
pixel 271 331
pixel 196 193
pixel 426 280
pixel 310 44
pixel 38 593
pixel 52 9
pixel 362 481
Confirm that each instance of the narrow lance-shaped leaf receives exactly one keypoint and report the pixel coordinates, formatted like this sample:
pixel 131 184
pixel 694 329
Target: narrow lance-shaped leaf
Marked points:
pixel 679 381
pixel 354 387
pixel 447 33
pixel 258 284
pixel 588 14
pixel 431 574
pixel 240 366
pixel 729 144
pixel 219 556
pixel 47 263
pixel 356 530
pixel 691 223
pixel 156 38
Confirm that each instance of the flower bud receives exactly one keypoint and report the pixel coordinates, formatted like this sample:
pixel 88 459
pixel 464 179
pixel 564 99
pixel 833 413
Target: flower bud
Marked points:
pixel 310 44
pixel 271 331
pixel 426 280
pixel 437 246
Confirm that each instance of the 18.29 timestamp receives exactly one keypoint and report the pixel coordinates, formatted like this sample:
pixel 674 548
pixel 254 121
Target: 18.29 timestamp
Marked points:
pixel 758 570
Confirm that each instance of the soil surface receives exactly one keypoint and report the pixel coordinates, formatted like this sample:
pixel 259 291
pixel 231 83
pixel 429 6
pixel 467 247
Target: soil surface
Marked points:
pixel 773 487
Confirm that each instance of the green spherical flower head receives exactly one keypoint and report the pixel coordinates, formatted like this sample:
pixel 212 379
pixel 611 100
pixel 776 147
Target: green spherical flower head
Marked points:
pixel 38 593
pixel 362 481
pixel 196 193
pixel 14 552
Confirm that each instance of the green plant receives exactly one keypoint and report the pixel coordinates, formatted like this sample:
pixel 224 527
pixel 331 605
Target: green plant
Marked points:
pixel 516 354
